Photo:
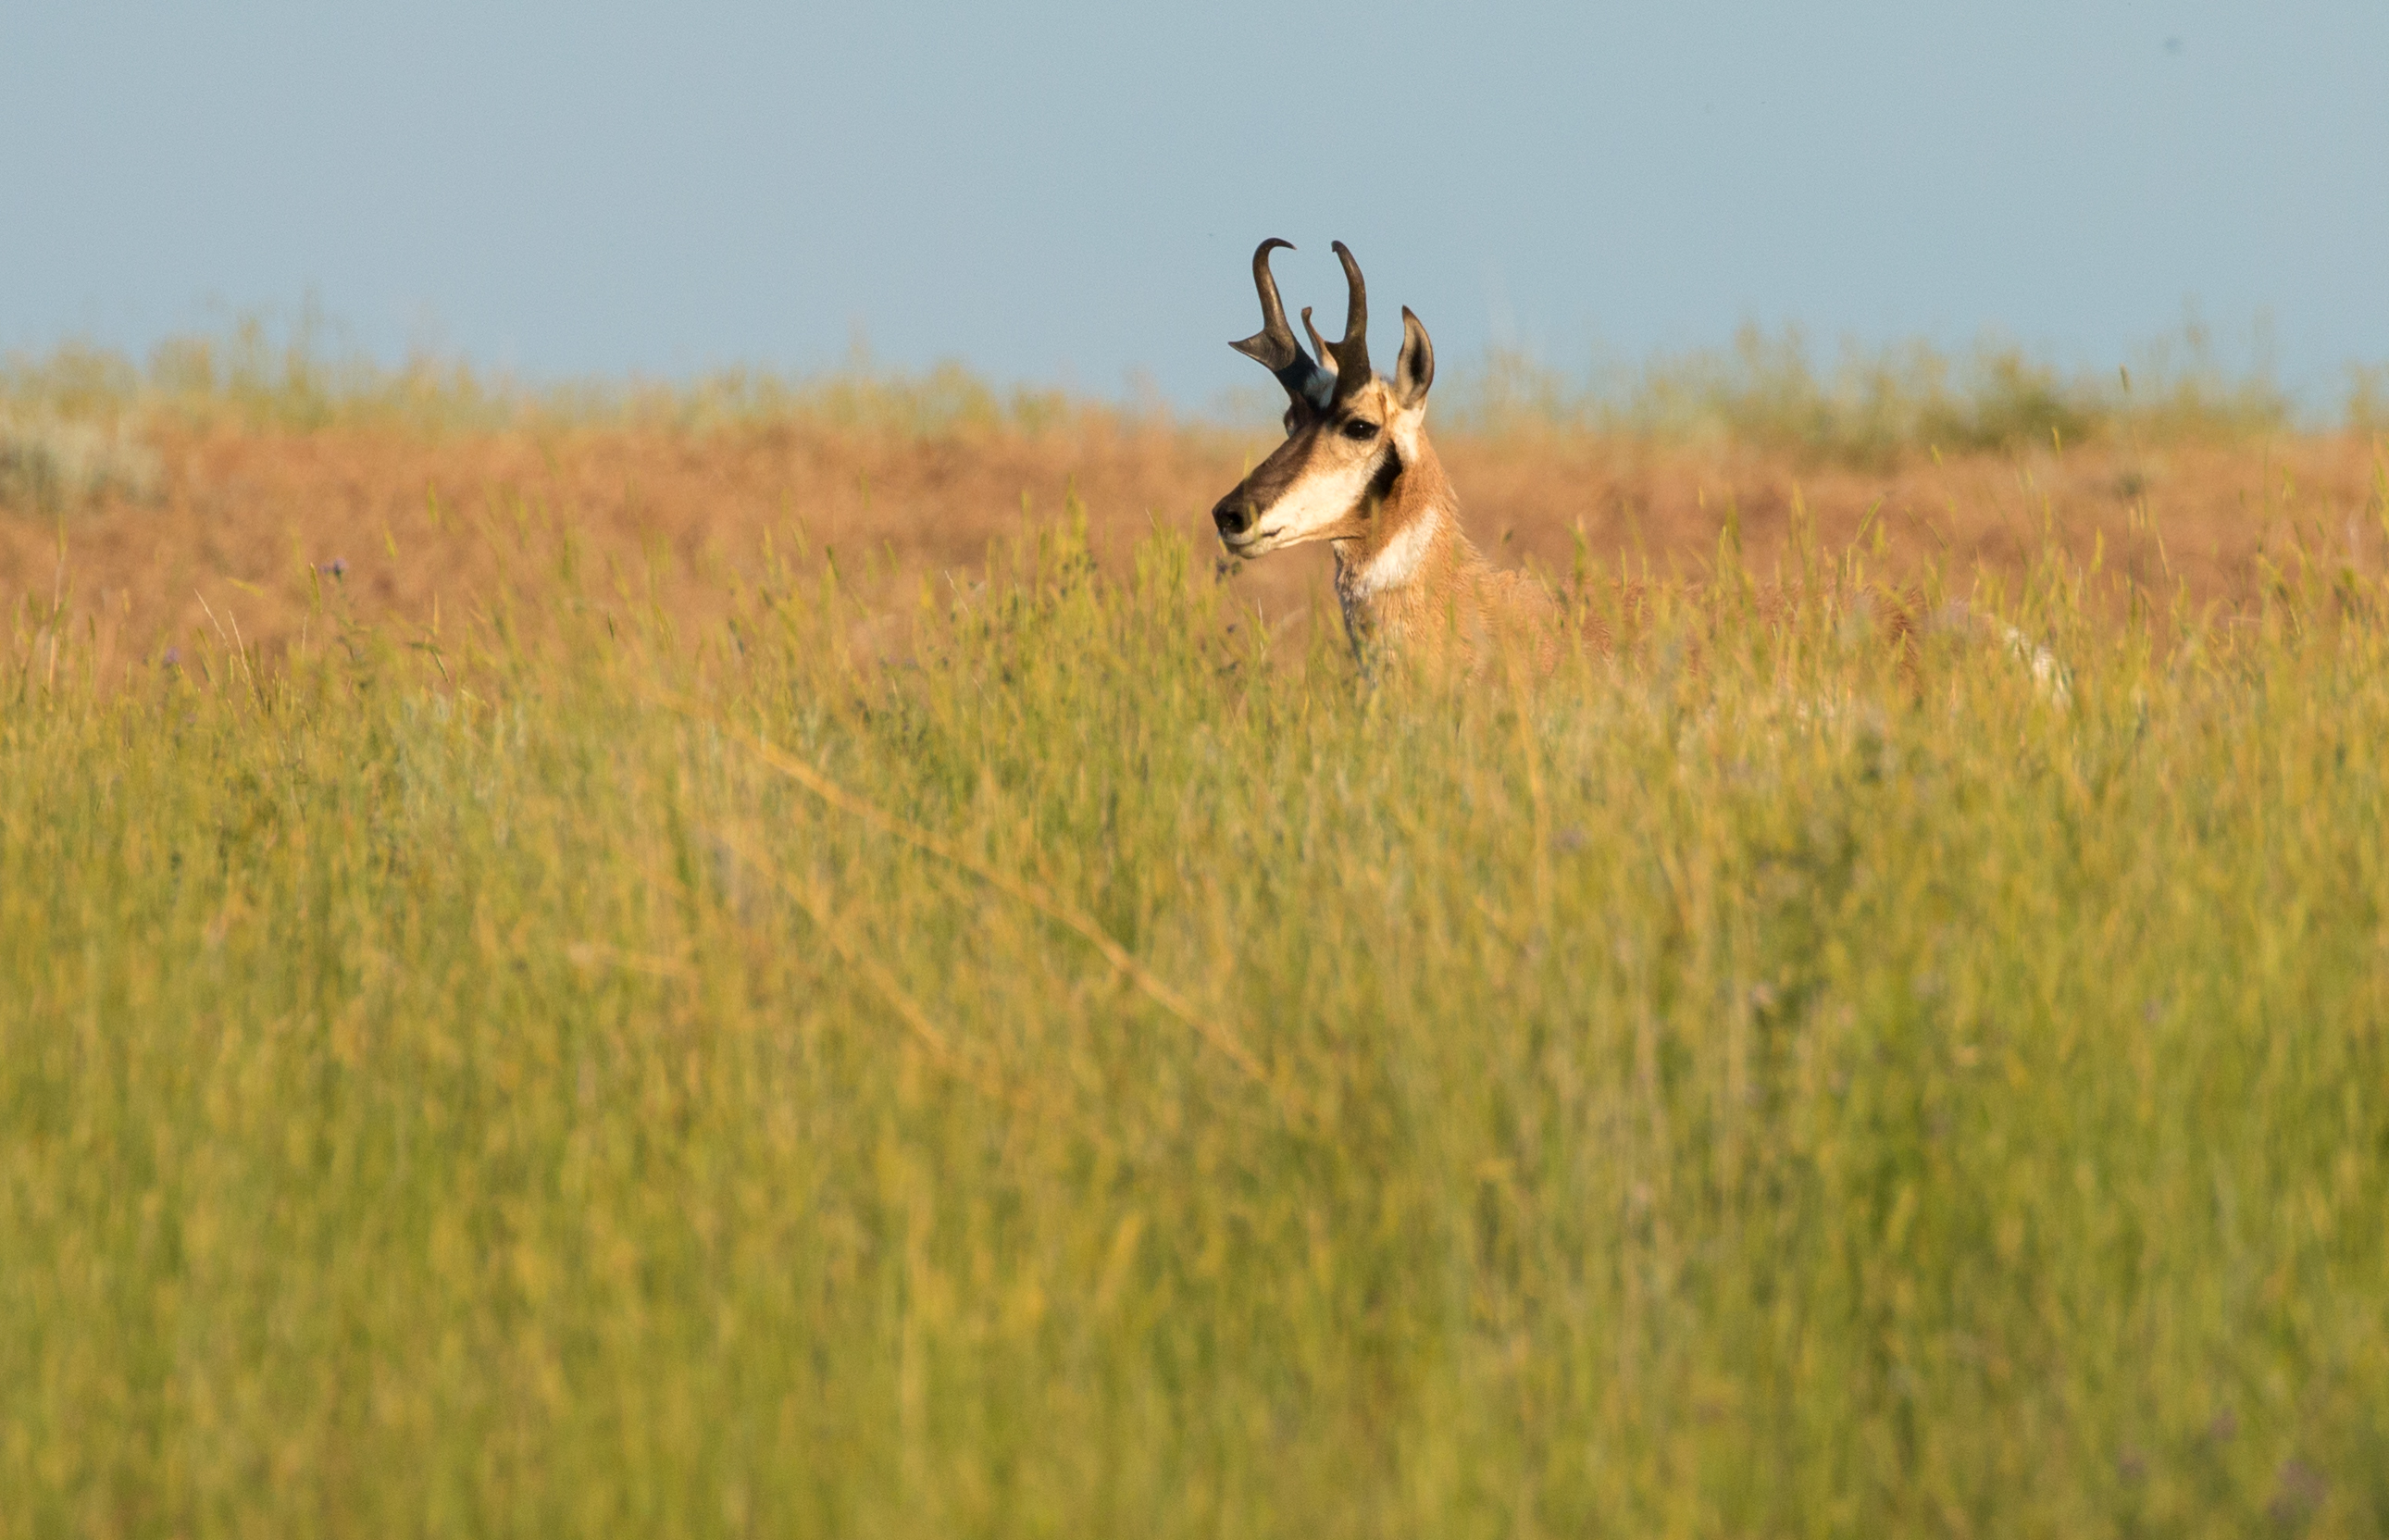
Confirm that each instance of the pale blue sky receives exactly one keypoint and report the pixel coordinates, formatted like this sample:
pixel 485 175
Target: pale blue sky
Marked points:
pixel 1068 194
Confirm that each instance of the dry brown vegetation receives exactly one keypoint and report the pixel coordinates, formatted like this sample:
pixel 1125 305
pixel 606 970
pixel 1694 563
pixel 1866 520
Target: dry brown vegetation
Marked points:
pixel 424 526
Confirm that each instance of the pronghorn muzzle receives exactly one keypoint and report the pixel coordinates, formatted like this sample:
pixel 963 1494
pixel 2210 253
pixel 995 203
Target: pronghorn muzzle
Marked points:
pixel 1236 515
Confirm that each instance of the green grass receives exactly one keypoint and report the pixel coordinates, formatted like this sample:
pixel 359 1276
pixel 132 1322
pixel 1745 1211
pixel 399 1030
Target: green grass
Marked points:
pixel 1869 405
pixel 303 376
pixel 466 1085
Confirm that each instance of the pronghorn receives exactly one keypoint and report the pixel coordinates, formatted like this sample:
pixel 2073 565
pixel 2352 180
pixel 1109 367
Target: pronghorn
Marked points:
pixel 1356 470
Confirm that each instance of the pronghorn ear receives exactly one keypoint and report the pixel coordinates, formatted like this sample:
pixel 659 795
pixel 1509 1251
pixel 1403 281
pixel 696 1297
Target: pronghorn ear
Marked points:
pixel 1414 370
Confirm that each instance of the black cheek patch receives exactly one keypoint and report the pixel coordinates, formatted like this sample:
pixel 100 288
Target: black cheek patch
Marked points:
pixel 1389 470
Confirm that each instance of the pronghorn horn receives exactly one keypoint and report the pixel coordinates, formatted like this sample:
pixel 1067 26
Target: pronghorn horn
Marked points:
pixel 1352 369
pixel 1318 343
pixel 1274 346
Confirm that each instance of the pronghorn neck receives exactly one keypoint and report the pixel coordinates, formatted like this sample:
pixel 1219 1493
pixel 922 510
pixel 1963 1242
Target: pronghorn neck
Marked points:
pixel 1412 560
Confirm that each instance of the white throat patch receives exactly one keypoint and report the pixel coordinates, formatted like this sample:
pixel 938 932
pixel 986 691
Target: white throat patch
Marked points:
pixel 1397 563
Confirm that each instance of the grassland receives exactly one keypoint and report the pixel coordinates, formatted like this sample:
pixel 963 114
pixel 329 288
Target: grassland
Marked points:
pixel 649 975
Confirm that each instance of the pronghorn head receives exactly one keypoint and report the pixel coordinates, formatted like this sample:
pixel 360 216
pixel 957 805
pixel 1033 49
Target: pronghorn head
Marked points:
pixel 1349 435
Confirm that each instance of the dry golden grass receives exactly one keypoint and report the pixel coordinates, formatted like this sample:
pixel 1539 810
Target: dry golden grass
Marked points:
pixel 427 526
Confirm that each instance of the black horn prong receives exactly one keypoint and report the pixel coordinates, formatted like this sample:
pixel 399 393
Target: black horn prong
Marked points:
pixel 1274 346
pixel 1352 369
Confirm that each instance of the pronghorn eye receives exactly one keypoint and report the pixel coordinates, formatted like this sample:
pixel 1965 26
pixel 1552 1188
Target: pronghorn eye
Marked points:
pixel 1360 428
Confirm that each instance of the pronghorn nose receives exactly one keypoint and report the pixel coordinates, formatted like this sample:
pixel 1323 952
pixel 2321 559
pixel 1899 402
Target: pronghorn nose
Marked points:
pixel 1234 515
